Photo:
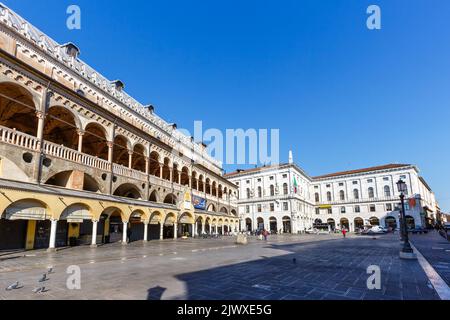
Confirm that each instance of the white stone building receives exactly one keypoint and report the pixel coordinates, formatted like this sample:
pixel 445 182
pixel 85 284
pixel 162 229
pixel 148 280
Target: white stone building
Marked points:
pixel 284 198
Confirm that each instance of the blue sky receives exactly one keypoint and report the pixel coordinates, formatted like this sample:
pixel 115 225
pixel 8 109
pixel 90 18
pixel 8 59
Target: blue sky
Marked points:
pixel 343 97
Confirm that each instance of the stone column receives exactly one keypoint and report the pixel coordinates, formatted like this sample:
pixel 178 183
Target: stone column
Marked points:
pixel 147 161
pixel 161 170
pixel 161 231
pixel 203 227
pixel 80 140
pixel 175 230
pixel 179 178
pixel 124 233
pixel 52 244
pixel 223 229
pixel 130 159
pixel 110 145
pixel 94 234
pixel 40 130
pixel 194 229
pixel 171 174
pixel 145 232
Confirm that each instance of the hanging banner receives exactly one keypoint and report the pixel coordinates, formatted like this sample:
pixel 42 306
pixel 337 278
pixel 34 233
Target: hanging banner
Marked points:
pixel 199 203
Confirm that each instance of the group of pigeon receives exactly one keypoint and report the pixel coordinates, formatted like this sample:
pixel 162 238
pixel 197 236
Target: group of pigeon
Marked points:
pixel 41 289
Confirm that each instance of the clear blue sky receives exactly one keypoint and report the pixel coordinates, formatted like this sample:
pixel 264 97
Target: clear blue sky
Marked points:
pixel 343 97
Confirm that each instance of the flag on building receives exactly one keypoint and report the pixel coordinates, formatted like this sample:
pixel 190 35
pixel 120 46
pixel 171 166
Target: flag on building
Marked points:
pixel 295 185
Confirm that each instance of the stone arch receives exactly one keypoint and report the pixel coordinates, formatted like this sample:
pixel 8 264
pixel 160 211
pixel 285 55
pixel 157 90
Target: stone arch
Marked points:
pixel 121 150
pixel 170 199
pixel 115 211
pixel 154 164
pixel 78 211
pixel 233 212
pixel 27 209
pixel 194 180
pixel 128 190
pixel 156 217
pixel 187 218
pixel 200 183
pixel 211 208
pixel 374 221
pixel 166 169
pixel 94 141
pixel 170 219
pixel 62 126
pixel 358 223
pixel 138 158
pixel 64 179
pixel 224 210
pixel 19 112
pixel 154 196
pixel 184 181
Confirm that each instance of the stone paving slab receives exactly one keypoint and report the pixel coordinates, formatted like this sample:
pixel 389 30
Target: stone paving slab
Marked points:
pixel 436 250
pixel 327 267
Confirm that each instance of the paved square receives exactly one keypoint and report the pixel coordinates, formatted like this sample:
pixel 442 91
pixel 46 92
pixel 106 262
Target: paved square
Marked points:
pixel 326 267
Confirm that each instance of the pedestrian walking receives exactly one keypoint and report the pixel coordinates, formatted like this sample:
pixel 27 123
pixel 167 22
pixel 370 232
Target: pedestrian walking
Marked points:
pixel 265 234
pixel 129 234
pixel 344 232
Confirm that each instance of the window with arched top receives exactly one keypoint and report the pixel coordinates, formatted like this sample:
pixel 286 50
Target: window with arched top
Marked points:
pixel 328 196
pixel 342 195
pixel 371 193
pixel 356 194
pixel 272 190
pixel 285 189
pixel 387 191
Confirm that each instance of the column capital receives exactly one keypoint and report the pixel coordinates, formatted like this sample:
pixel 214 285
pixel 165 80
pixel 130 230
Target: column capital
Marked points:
pixel 40 115
pixel 81 132
pixel 110 144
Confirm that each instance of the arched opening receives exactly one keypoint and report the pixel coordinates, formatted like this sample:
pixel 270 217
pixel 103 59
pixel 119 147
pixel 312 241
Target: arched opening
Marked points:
pixel 224 210
pixel 78 225
pixel 170 199
pixel 128 190
pixel 248 224
pixel 19 112
pixel 73 180
pixel 185 225
pixel 184 176
pixel 260 224
pixel 61 128
pixel 374 221
pixel 345 224
pixel 208 186
pixel 198 226
pixel 113 225
pixel 214 189
pixel 211 208
pixel 234 213
pixel 200 184
pixel 18 218
pixel 410 222
pixel 208 226
pixel 194 180
pixel 153 196
pixel 94 141
pixel 121 151
pixel 175 173
pixel 138 159
pixel 391 222
pixel 154 164
pixel 219 227
pixel 136 226
pixel 287 224
pixel 273 225
pixel 331 224
pixel 359 223
pixel 166 169
pixel 154 227
pixel 169 226
pixel 220 191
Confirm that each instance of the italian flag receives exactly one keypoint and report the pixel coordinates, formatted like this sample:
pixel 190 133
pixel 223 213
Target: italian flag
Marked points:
pixel 295 185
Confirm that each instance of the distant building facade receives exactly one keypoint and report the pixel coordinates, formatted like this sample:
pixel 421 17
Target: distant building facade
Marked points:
pixel 271 196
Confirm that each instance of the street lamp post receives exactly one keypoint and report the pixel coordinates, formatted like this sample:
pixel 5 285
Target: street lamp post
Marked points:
pixel 407 252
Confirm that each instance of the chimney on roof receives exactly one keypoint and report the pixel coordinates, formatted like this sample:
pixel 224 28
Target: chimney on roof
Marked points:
pixel 118 84
pixel 150 108
pixel 291 157
pixel 71 50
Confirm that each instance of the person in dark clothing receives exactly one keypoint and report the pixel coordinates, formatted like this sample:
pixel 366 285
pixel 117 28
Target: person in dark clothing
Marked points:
pixel 129 234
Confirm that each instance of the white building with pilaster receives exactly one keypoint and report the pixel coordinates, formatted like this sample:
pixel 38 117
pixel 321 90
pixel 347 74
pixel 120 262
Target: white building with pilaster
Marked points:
pixel 285 199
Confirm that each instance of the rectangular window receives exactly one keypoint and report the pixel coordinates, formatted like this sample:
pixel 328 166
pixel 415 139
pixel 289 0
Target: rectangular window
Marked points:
pixel 373 208
pixel 259 180
pixel 271 178
pixel 355 182
pixel 259 208
pixel 369 180
pixel 357 209
pixel 386 178
pixel 388 206
pixel 317 211
pixel 341 184
pixel 247 209
pixel 343 210
pixel 284 176
pixel 272 207
pixel 285 206
pixel 328 185
pixel 330 211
